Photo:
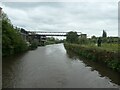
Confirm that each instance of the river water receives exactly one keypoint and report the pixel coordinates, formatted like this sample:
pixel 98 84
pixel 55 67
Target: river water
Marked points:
pixel 52 66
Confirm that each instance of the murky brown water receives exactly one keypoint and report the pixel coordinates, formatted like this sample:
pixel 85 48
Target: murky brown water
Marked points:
pixel 52 67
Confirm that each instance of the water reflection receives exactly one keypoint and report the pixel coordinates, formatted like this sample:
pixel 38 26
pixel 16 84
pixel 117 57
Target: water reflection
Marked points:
pixel 101 69
pixel 10 69
pixel 52 67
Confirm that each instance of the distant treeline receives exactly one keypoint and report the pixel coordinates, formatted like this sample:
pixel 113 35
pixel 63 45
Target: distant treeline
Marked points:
pixel 52 40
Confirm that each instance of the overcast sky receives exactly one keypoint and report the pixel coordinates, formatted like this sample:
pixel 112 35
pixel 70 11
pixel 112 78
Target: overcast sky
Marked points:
pixel 86 17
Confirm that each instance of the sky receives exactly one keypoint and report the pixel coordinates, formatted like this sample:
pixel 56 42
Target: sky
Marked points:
pixel 90 18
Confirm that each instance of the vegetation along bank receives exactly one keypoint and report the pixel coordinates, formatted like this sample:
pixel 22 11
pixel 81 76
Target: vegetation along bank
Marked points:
pixel 96 54
pixel 12 42
pixel 103 50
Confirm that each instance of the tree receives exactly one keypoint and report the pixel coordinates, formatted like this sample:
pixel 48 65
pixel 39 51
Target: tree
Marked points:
pixel 12 41
pixel 72 37
pixel 93 39
pixel 104 34
pixel 82 40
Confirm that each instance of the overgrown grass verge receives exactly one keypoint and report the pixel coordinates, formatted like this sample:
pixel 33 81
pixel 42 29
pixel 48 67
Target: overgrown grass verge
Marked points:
pixel 107 57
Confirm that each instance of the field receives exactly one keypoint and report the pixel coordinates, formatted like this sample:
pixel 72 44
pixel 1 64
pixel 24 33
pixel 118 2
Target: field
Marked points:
pixel 105 46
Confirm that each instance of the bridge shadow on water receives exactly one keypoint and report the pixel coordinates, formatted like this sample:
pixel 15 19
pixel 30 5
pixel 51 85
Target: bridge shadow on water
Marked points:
pixel 100 68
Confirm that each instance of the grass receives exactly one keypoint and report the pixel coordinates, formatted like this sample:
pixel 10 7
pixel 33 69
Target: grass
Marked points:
pixel 104 46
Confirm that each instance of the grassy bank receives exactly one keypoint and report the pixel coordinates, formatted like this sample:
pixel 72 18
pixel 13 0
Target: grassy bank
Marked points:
pixel 108 56
pixel 104 46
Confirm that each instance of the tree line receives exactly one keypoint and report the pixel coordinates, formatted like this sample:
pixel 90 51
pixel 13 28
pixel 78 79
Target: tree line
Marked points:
pixel 72 37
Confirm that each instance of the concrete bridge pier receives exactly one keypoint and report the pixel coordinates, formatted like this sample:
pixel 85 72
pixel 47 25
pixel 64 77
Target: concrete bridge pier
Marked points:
pixel 42 40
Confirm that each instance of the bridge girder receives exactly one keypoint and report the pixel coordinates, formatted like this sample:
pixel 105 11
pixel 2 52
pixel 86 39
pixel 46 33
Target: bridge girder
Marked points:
pixel 49 33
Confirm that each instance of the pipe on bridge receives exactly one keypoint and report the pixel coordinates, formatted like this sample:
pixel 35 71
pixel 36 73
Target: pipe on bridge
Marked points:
pixel 47 32
pixel 49 35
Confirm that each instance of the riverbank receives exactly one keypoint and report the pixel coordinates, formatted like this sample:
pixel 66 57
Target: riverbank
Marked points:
pixel 98 55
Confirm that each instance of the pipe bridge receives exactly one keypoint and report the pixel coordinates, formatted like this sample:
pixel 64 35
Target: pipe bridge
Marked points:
pixel 41 36
pixel 43 33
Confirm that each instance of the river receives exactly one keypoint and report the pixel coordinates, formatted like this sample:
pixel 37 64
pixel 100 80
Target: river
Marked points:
pixel 52 66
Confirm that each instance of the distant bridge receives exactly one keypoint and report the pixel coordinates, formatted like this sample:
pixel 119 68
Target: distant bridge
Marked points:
pixel 41 36
pixel 43 33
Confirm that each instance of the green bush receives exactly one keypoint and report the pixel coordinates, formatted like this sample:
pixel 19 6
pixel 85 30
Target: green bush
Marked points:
pixel 34 45
pixel 12 42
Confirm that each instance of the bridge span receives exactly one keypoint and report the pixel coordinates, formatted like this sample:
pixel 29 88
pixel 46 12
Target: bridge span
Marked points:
pixel 43 33
pixel 40 36
pixel 48 32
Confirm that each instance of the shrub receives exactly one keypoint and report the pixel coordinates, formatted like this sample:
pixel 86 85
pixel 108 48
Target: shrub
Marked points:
pixel 12 42
pixel 33 45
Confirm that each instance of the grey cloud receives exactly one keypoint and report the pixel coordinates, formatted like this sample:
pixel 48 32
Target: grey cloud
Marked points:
pixel 90 18
pixel 25 5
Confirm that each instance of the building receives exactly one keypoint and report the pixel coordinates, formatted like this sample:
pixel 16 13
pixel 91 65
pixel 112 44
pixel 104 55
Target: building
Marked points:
pixel 83 35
